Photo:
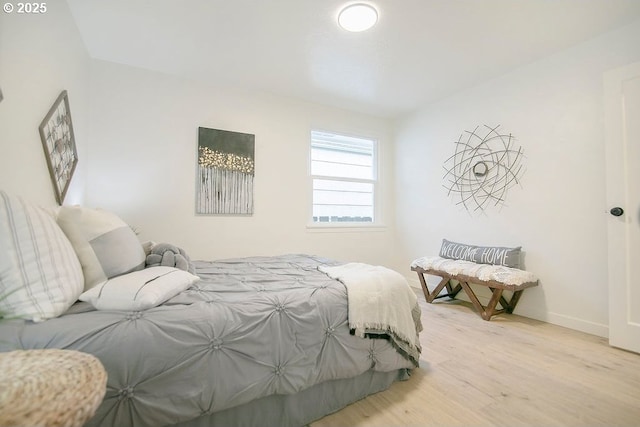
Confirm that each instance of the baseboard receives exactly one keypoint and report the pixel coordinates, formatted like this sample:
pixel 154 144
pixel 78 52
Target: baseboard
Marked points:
pixel 582 325
pixel 563 320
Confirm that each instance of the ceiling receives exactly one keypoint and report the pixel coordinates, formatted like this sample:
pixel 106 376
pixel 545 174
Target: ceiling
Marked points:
pixel 420 51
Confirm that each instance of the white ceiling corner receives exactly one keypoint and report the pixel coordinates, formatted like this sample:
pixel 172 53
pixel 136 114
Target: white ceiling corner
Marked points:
pixel 420 50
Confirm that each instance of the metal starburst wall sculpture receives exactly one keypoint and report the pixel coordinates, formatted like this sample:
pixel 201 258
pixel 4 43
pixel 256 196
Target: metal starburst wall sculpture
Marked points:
pixel 485 165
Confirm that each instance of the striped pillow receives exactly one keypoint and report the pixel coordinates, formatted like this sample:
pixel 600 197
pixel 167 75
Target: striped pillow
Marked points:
pixel 40 275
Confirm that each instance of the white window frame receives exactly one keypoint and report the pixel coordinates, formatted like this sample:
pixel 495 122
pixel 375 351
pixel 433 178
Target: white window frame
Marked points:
pixel 375 181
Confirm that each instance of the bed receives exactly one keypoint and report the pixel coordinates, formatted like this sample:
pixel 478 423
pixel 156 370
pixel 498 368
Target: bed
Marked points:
pixel 255 341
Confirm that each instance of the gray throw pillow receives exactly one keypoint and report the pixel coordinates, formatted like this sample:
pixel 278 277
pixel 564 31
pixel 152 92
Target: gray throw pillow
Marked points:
pixel 106 246
pixel 509 257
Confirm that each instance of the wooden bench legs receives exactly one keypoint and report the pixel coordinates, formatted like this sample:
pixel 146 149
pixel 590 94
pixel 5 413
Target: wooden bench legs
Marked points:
pixel 486 312
pixel 435 294
pixel 496 298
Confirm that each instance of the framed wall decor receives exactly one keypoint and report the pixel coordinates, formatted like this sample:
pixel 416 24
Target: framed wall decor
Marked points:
pixel 486 163
pixel 226 164
pixel 58 141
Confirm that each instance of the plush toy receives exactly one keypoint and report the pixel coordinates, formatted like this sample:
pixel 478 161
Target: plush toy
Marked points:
pixel 168 255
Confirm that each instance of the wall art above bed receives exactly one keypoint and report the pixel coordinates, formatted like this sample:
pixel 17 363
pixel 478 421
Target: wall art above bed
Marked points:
pixel 226 164
pixel 486 163
pixel 58 141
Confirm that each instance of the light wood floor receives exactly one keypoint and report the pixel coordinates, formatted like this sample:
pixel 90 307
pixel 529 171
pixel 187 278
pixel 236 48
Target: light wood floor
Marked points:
pixel 511 371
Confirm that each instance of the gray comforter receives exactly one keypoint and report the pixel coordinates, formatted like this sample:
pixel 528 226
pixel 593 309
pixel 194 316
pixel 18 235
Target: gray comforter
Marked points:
pixel 250 328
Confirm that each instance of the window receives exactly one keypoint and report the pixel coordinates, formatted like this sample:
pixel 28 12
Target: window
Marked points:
pixel 344 175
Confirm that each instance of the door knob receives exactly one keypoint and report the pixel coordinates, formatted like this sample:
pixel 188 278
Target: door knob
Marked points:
pixel 617 211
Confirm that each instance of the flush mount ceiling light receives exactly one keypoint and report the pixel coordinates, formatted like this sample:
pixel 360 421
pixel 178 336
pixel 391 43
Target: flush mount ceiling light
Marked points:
pixel 358 17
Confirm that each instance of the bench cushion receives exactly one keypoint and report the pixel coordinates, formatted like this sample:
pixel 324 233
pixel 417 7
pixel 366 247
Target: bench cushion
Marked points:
pixel 485 272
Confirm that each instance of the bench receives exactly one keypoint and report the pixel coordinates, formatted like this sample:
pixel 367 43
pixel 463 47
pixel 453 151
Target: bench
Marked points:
pixel 497 278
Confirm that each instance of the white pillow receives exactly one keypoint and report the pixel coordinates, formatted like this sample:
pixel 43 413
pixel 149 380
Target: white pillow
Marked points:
pixel 106 246
pixel 139 290
pixel 40 276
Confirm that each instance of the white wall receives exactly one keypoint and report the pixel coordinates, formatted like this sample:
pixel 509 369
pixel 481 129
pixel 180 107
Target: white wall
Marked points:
pixel 142 165
pixel 136 141
pixel 40 56
pixel 554 108
pixel 136 133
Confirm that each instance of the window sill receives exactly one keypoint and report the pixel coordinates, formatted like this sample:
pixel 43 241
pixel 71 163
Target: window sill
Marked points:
pixel 345 228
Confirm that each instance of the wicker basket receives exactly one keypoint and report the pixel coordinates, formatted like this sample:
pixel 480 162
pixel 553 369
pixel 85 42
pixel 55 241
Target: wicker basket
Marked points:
pixel 49 387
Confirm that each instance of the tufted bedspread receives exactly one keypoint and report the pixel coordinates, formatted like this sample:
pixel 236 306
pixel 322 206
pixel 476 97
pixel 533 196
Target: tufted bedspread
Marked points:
pixel 251 329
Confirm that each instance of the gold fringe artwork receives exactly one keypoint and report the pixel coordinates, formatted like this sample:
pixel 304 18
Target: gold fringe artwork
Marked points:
pixel 225 177
pixel 228 161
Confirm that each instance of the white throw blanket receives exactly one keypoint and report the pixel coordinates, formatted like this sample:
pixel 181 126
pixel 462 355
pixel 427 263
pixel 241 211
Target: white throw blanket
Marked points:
pixel 381 303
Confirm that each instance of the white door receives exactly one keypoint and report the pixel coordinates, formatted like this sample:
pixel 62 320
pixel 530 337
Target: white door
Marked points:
pixel 622 127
